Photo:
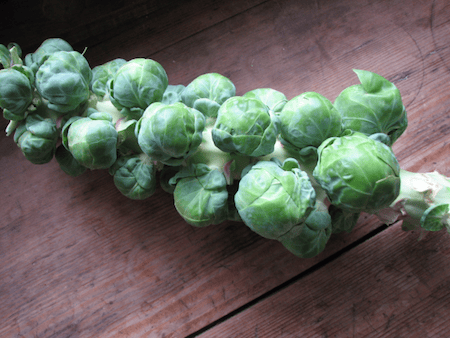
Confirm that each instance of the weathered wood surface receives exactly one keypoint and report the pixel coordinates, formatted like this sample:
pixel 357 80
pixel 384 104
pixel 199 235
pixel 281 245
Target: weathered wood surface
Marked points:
pixel 378 289
pixel 80 260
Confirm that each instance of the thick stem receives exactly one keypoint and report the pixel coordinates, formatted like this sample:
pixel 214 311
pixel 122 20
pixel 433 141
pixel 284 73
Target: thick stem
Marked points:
pixel 423 202
pixel 107 107
pixel 233 164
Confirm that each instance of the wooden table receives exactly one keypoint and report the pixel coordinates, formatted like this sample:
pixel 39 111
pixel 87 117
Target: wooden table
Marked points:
pixel 77 259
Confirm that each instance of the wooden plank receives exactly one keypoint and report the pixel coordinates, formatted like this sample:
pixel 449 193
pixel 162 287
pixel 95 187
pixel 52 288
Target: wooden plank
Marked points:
pixel 287 55
pixel 393 285
pixel 79 259
pixel 117 26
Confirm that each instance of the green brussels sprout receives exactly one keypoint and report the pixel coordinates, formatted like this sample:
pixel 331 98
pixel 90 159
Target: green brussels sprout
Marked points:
pixel 92 140
pixel 170 133
pixel 233 214
pixel 103 74
pixel 208 92
pixel 47 48
pixel 201 195
pixel 246 126
pixel 5 56
pixel 274 198
pixel 37 136
pixel 165 175
pixel 313 235
pixel 16 94
pixel 341 220
pixel 307 120
pixel 64 80
pixel 272 98
pixel 358 173
pixel 374 106
pixel 134 176
pixel 67 162
pixel 138 83
pixel 173 94
pixel 11 56
pixel 127 141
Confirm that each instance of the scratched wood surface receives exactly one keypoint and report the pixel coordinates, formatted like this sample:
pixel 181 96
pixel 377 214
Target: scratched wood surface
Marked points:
pixel 80 260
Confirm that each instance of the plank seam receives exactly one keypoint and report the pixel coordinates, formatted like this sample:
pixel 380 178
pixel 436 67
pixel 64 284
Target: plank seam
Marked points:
pixel 291 281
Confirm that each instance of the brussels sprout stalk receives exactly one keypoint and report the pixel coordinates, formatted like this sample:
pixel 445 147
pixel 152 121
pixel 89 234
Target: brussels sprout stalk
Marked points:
pixel 12 125
pixel 106 106
pixel 294 171
pixel 230 164
pixel 423 202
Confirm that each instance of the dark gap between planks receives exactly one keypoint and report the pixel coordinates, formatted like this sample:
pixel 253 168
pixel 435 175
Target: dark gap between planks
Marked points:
pixel 291 281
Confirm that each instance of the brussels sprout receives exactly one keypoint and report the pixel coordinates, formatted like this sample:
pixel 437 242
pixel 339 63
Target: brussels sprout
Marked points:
pixel 11 56
pixel 274 199
pixel 64 80
pixel 233 214
pixel 272 98
pixel 134 176
pixel 16 94
pixel 37 136
pixel 173 94
pixel 312 236
pixel 374 106
pixel 170 133
pixel 47 48
pixel 103 74
pixel 165 175
pixel 342 220
pixel 245 125
pixel 67 162
pixel 5 56
pixel 91 140
pixel 138 83
pixel 127 141
pixel 201 195
pixel 207 92
pixel 358 173
pixel 307 120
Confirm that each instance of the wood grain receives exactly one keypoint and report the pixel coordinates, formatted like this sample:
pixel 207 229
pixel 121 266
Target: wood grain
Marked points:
pixel 390 286
pixel 80 260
